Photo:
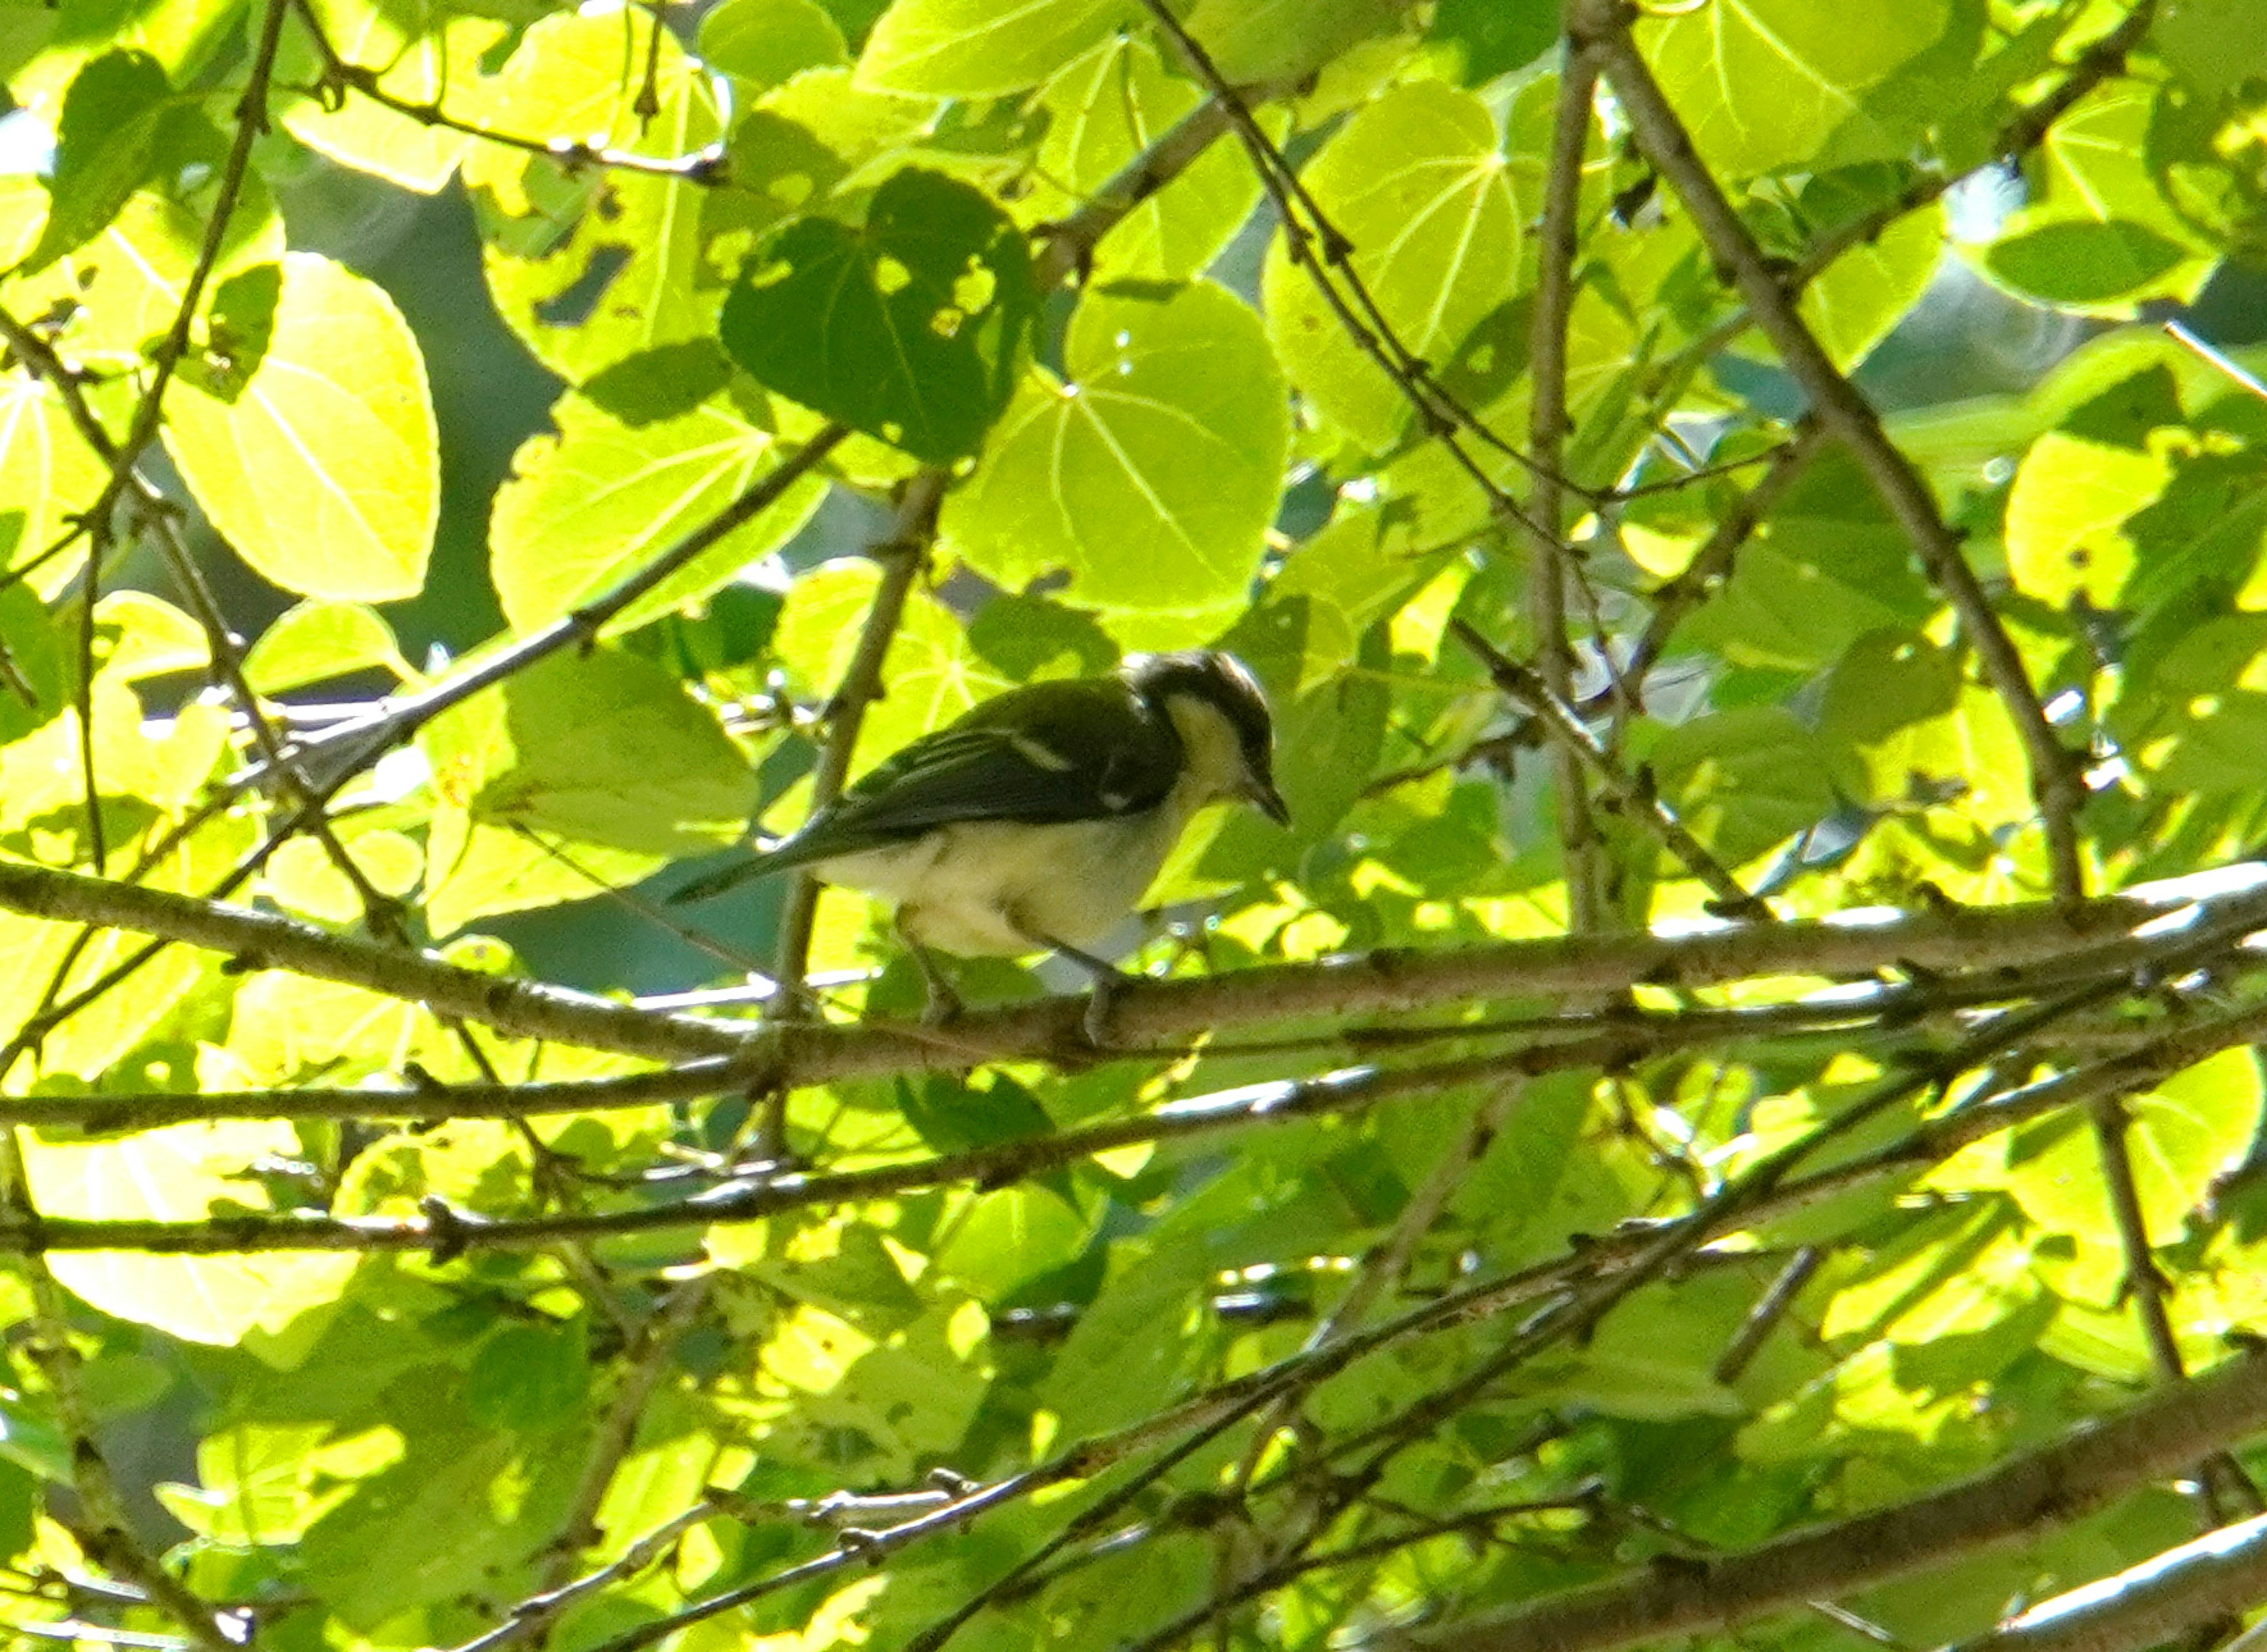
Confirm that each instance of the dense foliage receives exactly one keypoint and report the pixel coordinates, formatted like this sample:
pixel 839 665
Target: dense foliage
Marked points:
pixel 1691 1073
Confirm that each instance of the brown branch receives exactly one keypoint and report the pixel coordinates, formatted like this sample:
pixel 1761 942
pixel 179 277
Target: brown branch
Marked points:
pixel 753 1198
pixel 903 555
pixel 2094 937
pixel 2217 1576
pixel 2085 1469
pixel 1603 26
pixel 1547 426
pixel 1770 1309
pixel 1071 242
pixel 2146 1283
pixel 644 1364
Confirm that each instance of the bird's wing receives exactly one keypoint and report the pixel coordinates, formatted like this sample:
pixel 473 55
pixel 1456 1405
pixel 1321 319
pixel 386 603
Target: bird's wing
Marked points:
pixel 1049 753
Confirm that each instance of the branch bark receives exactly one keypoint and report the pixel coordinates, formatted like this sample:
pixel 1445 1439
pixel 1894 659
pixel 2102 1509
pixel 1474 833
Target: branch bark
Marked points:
pixel 2051 1485
pixel 2094 937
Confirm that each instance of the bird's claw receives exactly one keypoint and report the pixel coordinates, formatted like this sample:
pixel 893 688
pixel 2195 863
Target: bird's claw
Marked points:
pixel 1100 1006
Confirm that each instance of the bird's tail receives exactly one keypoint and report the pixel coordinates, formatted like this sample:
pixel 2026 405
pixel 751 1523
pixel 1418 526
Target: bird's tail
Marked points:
pixel 761 864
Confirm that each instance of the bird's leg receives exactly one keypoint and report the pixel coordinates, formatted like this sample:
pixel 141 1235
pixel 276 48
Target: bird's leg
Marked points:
pixel 943 1003
pixel 1105 979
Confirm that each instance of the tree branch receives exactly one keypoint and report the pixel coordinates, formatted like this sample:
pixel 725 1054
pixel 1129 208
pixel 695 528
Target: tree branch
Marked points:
pixel 1603 26
pixel 2221 1574
pixel 2065 1479
pixel 2096 937
pixel 1547 424
pixel 1639 802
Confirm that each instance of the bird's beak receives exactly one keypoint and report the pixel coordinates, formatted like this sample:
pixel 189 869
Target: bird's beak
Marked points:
pixel 1262 795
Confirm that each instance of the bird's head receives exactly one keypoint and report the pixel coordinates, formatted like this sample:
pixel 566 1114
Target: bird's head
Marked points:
pixel 1228 736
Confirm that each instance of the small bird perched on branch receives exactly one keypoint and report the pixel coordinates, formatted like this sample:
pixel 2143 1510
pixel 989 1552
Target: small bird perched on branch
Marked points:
pixel 1037 821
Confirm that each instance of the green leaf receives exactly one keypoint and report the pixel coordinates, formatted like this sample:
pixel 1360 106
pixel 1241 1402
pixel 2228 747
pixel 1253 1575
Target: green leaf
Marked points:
pixel 183 1172
pixel 37 678
pixel 588 506
pixel 591 265
pixel 436 1526
pixel 258 1485
pixel 1149 474
pixel 527 1376
pixel 2214 45
pixel 316 642
pixel 2085 265
pixel 1828 567
pixel 1417 182
pixel 1494 36
pixel 323 468
pixel 1864 294
pixel 105 148
pixel 1109 107
pixel 607 749
pixel 1252 40
pixel 2180 1136
pixel 1744 780
pixel 2064 514
pixel 2098 230
pixel 47 474
pixel 1761 83
pixel 911 329
pixel 767 41
pixel 424 53
pixel 1127 1354
pixel 981 48
pixel 124 287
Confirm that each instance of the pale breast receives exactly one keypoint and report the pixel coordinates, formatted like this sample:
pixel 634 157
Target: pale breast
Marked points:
pixel 983 888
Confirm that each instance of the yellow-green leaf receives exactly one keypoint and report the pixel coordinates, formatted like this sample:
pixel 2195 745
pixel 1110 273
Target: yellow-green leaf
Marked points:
pixel 323 469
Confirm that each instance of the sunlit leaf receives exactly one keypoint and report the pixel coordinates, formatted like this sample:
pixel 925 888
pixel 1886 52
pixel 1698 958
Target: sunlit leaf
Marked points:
pixel 322 468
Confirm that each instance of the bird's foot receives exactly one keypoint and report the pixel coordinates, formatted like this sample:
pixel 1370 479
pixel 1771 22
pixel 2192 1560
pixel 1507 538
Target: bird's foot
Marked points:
pixel 1101 1004
pixel 943 1007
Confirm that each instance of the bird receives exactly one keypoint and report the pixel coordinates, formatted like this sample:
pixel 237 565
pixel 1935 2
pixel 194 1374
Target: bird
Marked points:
pixel 1036 820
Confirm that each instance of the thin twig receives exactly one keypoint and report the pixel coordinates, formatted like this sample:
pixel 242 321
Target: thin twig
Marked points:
pixel 1638 801
pixel 354 744
pixel 1711 564
pixel 706 165
pixel 1547 426
pixel 1303 224
pixel 104 1532
pixel 903 555
pixel 2146 1283
pixel 1770 1309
